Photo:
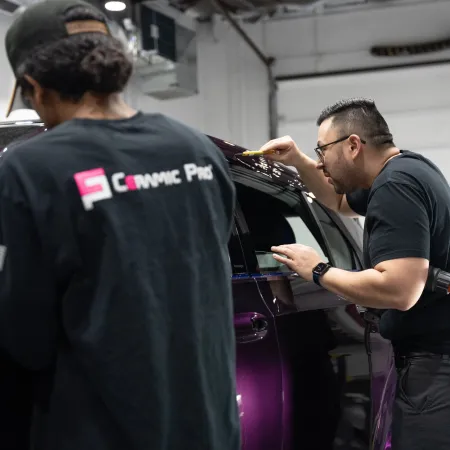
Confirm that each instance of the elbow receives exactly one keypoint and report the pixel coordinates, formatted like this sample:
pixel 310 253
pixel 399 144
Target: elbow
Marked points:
pixel 410 296
pixel 402 281
pixel 405 303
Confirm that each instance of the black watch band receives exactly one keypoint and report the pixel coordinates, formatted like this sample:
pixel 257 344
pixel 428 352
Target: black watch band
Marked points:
pixel 319 270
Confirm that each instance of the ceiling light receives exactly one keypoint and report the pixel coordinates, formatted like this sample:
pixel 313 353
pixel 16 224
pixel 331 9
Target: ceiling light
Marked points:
pixel 115 6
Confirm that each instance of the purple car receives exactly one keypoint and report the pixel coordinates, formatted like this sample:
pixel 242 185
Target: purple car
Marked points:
pixel 303 371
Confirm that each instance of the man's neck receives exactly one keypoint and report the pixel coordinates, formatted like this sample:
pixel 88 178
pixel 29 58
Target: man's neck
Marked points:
pixel 378 162
pixel 111 107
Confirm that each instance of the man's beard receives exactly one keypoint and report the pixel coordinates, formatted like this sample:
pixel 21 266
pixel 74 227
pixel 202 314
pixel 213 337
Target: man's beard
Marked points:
pixel 339 190
pixel 345 186
pixel 336 185
pixel 342 188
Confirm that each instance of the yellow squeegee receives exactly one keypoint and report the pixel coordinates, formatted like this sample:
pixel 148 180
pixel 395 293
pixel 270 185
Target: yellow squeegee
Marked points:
pixel 255 153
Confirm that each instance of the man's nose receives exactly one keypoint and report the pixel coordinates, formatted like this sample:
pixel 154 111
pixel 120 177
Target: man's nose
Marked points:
pixel 320 165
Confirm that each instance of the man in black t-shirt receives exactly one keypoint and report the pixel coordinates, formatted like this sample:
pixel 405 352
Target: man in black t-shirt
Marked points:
pixel 115 281
pixel 406 203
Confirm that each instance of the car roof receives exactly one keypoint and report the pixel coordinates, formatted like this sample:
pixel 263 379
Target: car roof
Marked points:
pixel 10 131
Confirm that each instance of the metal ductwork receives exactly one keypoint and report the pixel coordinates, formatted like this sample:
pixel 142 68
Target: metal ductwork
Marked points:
pixel 254 10
pixel 205 9
pixel 164 49
pixel 9 7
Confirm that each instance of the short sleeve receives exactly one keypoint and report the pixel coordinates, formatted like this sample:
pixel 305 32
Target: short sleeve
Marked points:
pixel 398 223
pixel 357 201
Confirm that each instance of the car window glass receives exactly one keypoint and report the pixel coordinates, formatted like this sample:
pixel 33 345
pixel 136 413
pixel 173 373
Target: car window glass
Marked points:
pixel 272 222
pixel 303 235
pixel 339 247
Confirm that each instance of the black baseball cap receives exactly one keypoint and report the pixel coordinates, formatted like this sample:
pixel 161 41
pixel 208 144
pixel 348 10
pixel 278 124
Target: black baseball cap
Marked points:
pixel 43 23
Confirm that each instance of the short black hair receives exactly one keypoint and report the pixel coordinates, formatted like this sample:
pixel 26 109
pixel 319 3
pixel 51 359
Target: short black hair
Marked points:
pixel 359 116
pixel 80 63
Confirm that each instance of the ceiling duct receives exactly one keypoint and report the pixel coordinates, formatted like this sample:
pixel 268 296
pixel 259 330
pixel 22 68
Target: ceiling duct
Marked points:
pixel 8 7
pixel 204 9
pixel 165 53
pixel 253 10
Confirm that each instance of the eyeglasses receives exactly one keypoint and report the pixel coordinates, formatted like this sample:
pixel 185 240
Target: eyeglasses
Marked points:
pixel 320 149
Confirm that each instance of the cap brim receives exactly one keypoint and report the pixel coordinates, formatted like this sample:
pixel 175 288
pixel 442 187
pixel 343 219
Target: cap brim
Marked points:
pixel 15 102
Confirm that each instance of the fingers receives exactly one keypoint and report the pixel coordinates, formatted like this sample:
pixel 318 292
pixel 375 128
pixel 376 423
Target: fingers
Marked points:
pixel 286 261
pixel 282 144
pixel 283 249
pixel 286 150
pixel 276 156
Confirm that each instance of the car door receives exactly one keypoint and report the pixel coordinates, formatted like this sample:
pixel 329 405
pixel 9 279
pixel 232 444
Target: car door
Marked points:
pixel 258 368
pixel 326 382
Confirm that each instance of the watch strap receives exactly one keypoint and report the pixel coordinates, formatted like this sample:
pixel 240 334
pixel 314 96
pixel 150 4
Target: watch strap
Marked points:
pixel 316 279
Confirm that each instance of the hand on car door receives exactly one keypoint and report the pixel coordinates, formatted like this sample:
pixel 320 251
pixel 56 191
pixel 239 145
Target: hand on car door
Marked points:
pixel 298 257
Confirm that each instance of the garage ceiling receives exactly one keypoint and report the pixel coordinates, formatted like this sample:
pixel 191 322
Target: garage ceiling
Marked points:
pixel 248 10
pixel 255 10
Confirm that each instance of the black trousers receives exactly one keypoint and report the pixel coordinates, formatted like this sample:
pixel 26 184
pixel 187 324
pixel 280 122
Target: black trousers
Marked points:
pixel 421 416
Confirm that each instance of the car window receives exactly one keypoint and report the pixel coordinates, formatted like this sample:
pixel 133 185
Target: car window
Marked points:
pixel 339 247
pixel 271 221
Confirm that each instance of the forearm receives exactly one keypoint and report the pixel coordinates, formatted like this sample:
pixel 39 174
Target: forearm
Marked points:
pixel 317 183
pixel 366 288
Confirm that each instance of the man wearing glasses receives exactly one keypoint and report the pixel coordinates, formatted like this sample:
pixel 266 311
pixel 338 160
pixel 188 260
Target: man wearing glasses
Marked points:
pixel 406 202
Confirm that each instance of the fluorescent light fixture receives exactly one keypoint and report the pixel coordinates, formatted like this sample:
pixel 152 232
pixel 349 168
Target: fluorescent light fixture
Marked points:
pixel 115 6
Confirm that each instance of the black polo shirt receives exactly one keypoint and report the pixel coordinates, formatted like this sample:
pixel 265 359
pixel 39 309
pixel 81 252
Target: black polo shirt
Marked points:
pixel 115 285
pixel 407 213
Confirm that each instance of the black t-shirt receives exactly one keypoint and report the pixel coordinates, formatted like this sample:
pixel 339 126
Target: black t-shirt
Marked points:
pixel 407 214
pixel 115 285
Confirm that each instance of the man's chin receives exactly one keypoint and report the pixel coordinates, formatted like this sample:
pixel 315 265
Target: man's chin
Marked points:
pixel 338 189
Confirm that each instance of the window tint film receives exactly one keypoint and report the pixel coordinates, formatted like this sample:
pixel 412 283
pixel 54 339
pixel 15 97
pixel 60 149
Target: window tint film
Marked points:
pixel 272 221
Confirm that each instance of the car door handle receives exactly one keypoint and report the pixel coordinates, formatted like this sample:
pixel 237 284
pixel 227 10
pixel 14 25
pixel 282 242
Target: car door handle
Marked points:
pixel 250 327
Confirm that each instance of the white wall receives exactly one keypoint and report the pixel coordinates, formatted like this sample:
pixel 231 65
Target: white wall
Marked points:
pixel 232 102
pixel 342 41
pixel 414 101
pixel 233 88
pixel 6 75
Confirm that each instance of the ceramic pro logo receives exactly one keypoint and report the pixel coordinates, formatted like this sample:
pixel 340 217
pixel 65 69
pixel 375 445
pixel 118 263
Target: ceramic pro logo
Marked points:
pixel 94 185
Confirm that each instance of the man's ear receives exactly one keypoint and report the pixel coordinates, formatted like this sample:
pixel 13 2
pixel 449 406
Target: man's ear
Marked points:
pixel 355 145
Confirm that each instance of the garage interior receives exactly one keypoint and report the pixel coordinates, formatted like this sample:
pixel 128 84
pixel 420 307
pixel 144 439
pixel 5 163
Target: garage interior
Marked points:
pixel 318 51
pixel 247 71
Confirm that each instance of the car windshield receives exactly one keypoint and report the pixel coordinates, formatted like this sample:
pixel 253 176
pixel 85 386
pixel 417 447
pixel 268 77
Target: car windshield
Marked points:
pixel 15 134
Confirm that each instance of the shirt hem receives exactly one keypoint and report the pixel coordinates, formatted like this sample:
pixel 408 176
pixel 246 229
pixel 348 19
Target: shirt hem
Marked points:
pixel 399 254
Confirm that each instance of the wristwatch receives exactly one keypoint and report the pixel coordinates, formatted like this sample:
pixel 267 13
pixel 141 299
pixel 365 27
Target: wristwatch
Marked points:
pixel 319 270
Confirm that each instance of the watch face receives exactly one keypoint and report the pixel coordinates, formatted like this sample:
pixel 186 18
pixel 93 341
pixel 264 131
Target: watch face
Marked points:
pixel 320 268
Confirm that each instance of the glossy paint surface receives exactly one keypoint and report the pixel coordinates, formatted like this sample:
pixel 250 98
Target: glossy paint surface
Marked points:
pixel 258 371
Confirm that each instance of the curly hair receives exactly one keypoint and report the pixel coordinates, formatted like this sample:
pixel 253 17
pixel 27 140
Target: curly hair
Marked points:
pixel 80 63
